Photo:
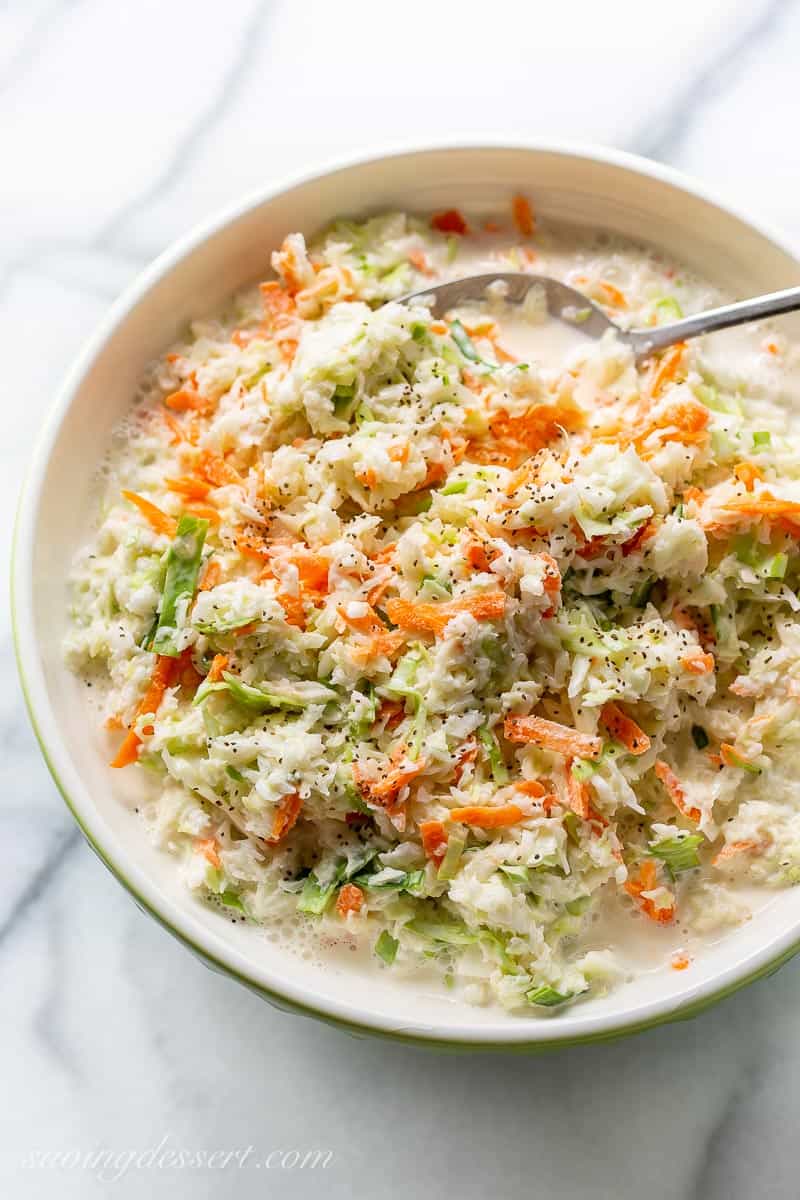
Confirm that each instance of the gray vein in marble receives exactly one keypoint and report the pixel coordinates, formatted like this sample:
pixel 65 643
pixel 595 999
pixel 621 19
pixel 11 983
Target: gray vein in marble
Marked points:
pixel 719 1139
pixel 39 883
pixel 47 1016
pixel 242 62
pixel 31 45
pixel 661 139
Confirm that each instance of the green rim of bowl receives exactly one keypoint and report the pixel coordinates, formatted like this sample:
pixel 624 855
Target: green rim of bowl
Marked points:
pixel 173 255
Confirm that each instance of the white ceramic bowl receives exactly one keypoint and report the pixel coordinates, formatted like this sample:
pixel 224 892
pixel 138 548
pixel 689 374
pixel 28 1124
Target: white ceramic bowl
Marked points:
pixel 589 187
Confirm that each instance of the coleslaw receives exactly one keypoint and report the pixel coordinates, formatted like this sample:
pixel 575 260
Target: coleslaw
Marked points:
pixel 445 647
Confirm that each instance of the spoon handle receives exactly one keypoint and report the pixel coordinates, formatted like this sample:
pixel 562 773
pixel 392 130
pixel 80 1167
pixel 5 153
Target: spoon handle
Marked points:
pixel 644 341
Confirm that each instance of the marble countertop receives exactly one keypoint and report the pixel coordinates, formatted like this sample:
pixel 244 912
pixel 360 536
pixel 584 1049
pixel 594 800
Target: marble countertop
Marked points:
pixel 122 124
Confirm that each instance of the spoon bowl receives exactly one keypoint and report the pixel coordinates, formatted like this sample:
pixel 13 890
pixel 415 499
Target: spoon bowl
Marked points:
pixel 573 308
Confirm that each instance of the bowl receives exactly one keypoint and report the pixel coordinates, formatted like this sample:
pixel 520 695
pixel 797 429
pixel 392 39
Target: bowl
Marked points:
pixel 581 185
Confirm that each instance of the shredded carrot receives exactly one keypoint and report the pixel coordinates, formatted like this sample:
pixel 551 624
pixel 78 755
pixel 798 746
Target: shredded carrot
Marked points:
pixel 164 676
pixel 385 554
pixel 434 618
pixel 215 470
pixel 548 800
pixel 187 400
pixel 435 474
pixel 694 495
pixel 676 792
pixel 245 630
pixel 550 735
pixel 218 665
pixel 285 817
pixel 469 753
pixel 475 554
pixel 698 663
pixel 192 431
pixel 679 962
pixel 647 881
pixel 531 787
pixel 745 846
pixel 501 354
pixel 243 337
pixel 624 729
pixel 687 418
pixel 523 215
pixel 472 381
pixel 399 454
pixel 177 430
pixel 385 789
pixel 368 622
pixel 747 473
pixel 294 609
pixel 516 438
pixel 279 306
pixel 764 505
pixel 312 569
pixel 208 848
pixel 434 839
pixel 382 645
pixel 349 900
pixel 196 489
pixel 612 294
pixel 552 575
pixel 594 547
pixel 666 368
pixel 289 267
pixel 451 221
pixel 391 713
pixel 252 545
pixel 211 577
pixel 528 473
pixel 159 520
pixel 730 755
pixel 188 676
pixel 644 533
pixel 206 511
pixel 419 262
pixel 577 794
pixel 485 816
pixel 485 327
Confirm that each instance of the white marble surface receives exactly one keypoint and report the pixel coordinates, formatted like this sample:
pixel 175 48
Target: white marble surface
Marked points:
pixel 120 125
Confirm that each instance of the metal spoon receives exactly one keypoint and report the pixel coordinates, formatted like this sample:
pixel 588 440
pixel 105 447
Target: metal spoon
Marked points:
pixel 575 309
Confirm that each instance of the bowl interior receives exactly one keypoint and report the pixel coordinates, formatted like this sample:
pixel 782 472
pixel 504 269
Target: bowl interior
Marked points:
pixel 56 511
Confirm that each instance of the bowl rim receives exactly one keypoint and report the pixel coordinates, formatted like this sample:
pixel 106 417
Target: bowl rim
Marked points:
pixel 211 949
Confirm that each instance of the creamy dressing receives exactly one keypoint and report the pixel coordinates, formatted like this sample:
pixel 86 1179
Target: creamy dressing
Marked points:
pixel 548 343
